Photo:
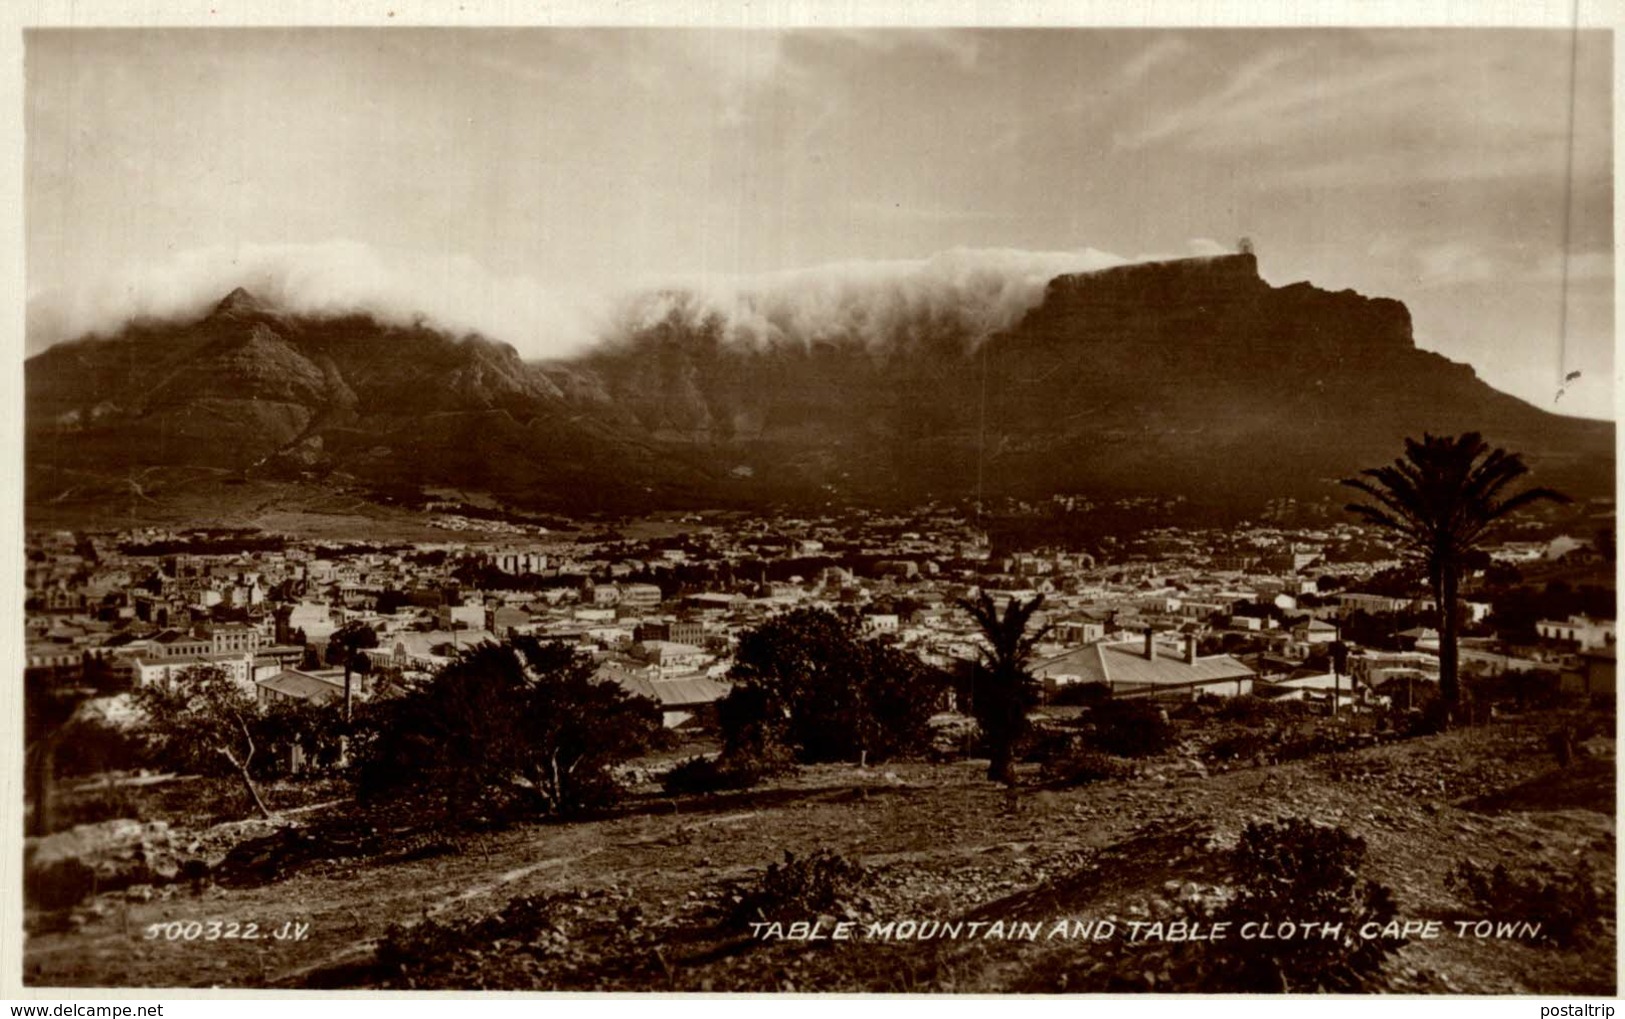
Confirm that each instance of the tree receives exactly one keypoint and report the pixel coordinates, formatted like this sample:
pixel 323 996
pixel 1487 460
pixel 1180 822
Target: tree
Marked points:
pixel 1442 499
pixel 578 727
pixel 49 709
pixel 343 645
pixel 810 680
pixel 317 730
pixel 1003 688
pixel 200 720
pixel 518 719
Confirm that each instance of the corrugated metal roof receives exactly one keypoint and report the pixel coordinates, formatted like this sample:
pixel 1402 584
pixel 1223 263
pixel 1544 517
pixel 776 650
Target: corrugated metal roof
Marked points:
pixel 1126 663
pixel 304 686
pixel 689 690
pixel 677 691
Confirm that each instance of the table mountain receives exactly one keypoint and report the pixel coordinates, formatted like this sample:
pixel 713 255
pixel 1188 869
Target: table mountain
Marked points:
pixel 1192 377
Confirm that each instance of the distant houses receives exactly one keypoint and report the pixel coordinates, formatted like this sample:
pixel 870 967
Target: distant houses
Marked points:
pixel 1580 632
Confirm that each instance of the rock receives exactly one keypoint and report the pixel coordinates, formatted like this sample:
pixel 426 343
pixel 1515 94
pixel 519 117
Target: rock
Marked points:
pixel 138 893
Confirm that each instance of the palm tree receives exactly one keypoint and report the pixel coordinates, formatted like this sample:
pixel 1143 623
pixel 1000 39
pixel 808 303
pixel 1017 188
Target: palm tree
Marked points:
pixel 352 637
pixel 1442 498
pixel 1004 690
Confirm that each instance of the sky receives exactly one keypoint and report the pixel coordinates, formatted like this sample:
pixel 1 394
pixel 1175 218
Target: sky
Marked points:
pixel 522 182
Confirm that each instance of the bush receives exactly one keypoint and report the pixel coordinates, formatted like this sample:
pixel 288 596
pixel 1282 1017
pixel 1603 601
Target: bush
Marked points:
pixel 1082 767
pixel 1131 729
pixel 1254 710
pixel 60 885
pixel 1241 746
pixel 707 775
pixel 1296 870
pixel 90 746
pixel 318 730
pixel 800 888
pixel 1204 707
pixel 1566 906
pixel 432 954
pixel 1041 745
pixel 1431 719
pixel 1081 694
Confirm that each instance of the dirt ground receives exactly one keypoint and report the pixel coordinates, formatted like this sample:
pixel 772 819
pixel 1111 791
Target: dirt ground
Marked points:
pixel 636 896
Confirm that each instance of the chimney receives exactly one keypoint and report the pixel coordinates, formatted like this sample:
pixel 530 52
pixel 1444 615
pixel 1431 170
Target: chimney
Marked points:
pixel 1190 649
pixel 1150 645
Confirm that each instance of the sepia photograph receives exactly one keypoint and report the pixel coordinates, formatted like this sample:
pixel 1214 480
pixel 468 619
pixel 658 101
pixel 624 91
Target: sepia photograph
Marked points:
pixel 715 507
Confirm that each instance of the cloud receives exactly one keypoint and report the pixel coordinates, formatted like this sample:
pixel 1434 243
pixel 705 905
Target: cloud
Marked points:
pixel 962 47
pixel 899 212
pixel 735 64
pixel 1158 53
pixel 337 277
pixel 1193 123
pixel 974 292
pixel 1453 263
pixel 1387 108
pixel 1578 267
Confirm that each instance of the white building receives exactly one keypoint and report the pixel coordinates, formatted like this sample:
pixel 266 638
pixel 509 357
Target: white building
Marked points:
pixel 1589 634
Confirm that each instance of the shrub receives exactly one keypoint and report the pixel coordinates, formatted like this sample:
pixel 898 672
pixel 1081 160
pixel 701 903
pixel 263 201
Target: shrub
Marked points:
pixel 1430 720
pixel 708 775
pixel 1253 710
pixel 1296 870
pixel 1082 767
pixel 318 730
pixel 1131 729
pixel 59 885
pixel 1566 906
pixel 1241 746
pixel 1538 690
pixel 458 955
pixel 89 746
pixel 799 889
pixel 1081 694
pixel 1201 709
pixel 1041 745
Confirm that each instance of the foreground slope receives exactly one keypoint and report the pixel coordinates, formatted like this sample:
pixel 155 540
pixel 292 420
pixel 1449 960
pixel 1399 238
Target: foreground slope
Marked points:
pixel 631 901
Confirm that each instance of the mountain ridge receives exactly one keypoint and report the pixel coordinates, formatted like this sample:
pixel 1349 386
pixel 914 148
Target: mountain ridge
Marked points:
pixel 1192 377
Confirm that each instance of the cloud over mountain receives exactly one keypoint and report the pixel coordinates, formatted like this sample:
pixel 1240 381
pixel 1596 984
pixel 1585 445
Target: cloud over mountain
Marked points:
pixel 975 292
